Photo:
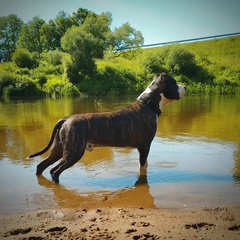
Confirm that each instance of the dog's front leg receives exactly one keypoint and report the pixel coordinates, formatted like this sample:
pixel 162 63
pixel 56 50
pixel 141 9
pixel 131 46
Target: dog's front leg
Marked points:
pixel 143 154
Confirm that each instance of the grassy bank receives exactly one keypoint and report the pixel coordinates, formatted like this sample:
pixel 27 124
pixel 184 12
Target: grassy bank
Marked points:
pixel 205 67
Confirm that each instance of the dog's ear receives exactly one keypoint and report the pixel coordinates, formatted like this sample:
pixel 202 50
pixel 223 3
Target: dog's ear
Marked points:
pixel 160 80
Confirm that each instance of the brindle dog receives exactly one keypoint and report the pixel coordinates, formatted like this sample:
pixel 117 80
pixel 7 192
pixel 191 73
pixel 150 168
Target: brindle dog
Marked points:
pixel 133 126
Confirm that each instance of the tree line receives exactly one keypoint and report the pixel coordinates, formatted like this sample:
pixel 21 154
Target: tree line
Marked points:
pixel 84 35
pixel 82 54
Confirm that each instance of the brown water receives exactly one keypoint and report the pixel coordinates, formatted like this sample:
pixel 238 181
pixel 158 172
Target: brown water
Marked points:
pixel 194 159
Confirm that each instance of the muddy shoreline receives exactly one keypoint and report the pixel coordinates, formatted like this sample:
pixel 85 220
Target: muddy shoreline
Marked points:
pixel 123 223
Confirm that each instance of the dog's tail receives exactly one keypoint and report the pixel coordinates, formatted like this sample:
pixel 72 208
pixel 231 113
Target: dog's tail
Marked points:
pixel 56 128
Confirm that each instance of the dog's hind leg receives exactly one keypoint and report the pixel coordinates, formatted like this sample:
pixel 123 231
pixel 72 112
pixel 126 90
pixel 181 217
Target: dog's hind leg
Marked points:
pixel 70 157
pixel 143 153
pixel 55 155
pixel 66 162
pixel 73 139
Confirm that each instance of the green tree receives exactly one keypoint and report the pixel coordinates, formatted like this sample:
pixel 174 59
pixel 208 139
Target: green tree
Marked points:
pixel 30 36
pixel 84 44
pixel 99 27
pixel 63 22
pixel 49 38
pixel 125 37
pixel 52 32
pixel 83 48
pixel 80 15
pixel 10 27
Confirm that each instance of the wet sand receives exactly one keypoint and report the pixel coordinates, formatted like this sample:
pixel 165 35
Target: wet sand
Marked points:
pixel 122 223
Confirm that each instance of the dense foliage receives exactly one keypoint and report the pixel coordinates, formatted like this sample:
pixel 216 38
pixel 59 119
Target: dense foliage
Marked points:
pixel 80 54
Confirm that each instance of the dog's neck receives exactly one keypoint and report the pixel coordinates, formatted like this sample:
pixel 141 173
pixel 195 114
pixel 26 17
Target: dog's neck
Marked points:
pixel 151 97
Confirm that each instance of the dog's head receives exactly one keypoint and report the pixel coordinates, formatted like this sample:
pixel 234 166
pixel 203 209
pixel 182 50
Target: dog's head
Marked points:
pixel 169 89
pixel 162 91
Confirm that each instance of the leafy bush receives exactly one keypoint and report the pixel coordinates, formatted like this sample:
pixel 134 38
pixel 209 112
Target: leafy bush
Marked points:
pixel 56 87
pixel 11 85
pixel 23 71
pixel 180 61
pixel 183 79
pixel 53 57
pixel 24 88
pixel 6 80
pixel 111 81
pixel 153 62
pixel 23 58
pixel 49 69
pixel 40 79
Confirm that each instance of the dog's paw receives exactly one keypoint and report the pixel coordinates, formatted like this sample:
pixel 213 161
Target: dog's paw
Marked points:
pixel 143 169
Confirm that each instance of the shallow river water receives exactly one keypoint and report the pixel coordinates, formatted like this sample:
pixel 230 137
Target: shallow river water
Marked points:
pixel 194 159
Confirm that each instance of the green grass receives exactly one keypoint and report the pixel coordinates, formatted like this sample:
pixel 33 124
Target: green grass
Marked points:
pixel 218 60
pixel 214 69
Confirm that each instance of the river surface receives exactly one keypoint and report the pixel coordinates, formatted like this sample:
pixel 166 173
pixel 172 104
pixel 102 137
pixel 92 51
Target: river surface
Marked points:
pixel 194 159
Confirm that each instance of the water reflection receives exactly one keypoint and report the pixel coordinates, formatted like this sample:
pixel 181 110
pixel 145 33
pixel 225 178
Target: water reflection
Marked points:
pixel 195 155
pixel 236 169
pixel 137 196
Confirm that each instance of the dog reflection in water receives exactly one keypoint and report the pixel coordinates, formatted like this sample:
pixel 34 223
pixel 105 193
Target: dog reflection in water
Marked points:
pixel 139 195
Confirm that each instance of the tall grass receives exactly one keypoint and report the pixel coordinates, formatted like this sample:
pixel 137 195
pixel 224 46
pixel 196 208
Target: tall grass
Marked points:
pixel 206 89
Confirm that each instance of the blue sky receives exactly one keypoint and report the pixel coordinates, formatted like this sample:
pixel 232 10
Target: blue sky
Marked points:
pixel 158 20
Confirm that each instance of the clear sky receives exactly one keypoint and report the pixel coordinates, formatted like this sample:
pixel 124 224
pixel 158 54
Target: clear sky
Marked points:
pixel 158 20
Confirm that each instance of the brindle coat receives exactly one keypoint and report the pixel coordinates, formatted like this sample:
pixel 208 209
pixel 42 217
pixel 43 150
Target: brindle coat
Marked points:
pixel 133 126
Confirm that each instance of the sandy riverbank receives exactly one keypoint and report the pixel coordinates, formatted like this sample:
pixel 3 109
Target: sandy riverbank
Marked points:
pixel 123 223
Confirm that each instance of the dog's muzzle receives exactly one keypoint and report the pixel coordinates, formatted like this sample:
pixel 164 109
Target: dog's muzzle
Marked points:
pixel 181 91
